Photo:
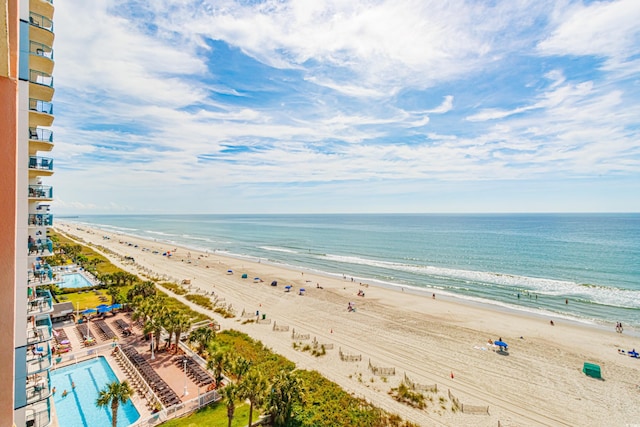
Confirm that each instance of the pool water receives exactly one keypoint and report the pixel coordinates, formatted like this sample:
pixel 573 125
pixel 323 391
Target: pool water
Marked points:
pixel 75 280
pixel 78 408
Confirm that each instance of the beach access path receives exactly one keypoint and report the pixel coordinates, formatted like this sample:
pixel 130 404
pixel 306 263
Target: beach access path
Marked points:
pixel 439 341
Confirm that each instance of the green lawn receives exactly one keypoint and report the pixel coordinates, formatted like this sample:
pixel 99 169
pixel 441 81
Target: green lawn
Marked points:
pixel 215 416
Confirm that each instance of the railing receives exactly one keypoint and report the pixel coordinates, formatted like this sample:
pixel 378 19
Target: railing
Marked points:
pixel 41 21
pixel 40 134
pixel 41 220
pixel 42 303
pixel 41 332
pixel 39 418
pixel 38 388
pixel 39 358
pixel 40 106
pixel 40 78
pixel 40 49
pixel 41 191
pixel 40 163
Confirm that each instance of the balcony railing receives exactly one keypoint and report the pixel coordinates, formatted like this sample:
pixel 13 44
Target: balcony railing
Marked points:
pixel 39 358
pixel 40 417
pixel 40 106
pixel 41 191
pixel 40 49
pixel 41 220
pixel 42 303
pixel 41 163
pixel 42 331
pixel 41 134
pixel 41 21
pixel 38 388
pixel 40 246
pixel 42 274
pixel 38 77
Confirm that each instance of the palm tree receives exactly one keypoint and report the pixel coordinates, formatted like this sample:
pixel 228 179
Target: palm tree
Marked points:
pixel 253 388
pixel 145 289
pixel 239 367
pixel 170 322
pixel 230 394
pixel 202 336
pixel 113 292
pixel 183 323
pixel 114 394
pixel 217 362
pixel 286 391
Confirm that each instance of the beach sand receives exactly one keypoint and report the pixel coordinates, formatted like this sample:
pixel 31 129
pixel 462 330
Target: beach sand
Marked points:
pixel 438 340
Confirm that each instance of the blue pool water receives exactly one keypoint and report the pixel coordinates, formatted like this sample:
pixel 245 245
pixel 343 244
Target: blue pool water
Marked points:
pixel 78 408
pixel 74 280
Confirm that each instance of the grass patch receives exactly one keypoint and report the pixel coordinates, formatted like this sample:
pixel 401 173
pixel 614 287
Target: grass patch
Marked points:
pixel 215 416
pixel 201 300
pixel 176 289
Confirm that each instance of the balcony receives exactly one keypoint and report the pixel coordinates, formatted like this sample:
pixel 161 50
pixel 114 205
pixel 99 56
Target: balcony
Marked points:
pixel 39 414
pixel 40 166
pixel 40 220
pixel 40 113
pixel 38 388
pixel 39 358
pixel 43 8
pixel 40 139
pixel 41 85
pixel 42 274
pixel 41 29
pixel 41 192
pixel 40 247
pixel 41 332
pixel 42 303
pixel 41 58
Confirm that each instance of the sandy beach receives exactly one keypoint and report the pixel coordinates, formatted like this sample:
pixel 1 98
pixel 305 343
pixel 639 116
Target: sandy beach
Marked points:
pixel 437 340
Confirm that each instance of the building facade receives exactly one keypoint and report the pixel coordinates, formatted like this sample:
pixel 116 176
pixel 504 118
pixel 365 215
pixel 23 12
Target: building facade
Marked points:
pixel 26 91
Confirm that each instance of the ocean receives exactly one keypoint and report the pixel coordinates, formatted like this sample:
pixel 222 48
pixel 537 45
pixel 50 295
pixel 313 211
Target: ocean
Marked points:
pixel 584 267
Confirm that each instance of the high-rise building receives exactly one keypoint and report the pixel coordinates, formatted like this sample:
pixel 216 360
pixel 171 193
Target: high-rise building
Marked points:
pixel 26 114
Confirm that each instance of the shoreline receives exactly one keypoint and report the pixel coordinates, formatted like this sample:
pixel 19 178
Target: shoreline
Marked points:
pixel 427 339
pixel 426 292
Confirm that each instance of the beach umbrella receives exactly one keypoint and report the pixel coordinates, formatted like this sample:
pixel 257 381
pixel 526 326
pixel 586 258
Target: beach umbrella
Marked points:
pixel 501 344
pixel 288 287
pixel 89 311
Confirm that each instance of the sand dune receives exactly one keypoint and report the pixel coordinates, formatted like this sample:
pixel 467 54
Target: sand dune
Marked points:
pixel 432 341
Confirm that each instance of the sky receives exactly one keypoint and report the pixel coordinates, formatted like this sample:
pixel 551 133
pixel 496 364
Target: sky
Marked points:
pixel 338 106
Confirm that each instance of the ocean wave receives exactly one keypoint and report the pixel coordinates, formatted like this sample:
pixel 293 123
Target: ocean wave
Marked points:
pixel 274 249
pixel 160 233
pixel 615 297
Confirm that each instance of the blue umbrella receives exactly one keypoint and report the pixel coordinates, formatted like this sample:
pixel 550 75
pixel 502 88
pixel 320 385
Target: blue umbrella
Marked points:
pixel 501 344
pixel 89 311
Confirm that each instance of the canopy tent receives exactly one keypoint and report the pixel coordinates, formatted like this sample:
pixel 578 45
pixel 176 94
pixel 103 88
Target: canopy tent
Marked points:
pixel 115 306
pixel 592 370
pixel 502 346
pixel 274 283
pixel 89 311
pixel 244 276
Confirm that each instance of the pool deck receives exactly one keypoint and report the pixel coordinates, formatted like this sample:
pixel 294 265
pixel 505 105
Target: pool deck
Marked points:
pixel 163 363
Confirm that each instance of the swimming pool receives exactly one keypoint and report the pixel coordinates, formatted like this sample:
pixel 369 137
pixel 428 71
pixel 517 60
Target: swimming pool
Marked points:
pixel 75 280
pixel 78 408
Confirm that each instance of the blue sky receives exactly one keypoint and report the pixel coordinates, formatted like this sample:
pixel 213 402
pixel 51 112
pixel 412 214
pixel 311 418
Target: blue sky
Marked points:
pixel 181 106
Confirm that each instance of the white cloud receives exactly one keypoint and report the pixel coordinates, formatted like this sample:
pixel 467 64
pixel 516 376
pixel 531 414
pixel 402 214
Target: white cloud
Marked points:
pixel 144 115
pixel 606 29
